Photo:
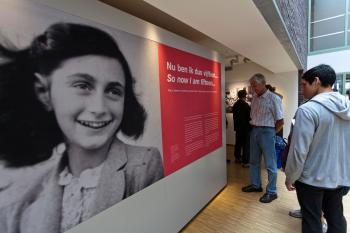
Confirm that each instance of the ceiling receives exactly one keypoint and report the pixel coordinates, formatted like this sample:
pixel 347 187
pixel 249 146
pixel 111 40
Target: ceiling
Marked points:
pixel 149 13
pixel 229 27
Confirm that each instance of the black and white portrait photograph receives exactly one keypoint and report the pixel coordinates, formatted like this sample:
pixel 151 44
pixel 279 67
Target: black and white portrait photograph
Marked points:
pixel 79 118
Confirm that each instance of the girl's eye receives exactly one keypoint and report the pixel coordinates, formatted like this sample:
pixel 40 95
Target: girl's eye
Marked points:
pixel 82 86
pixel 115 92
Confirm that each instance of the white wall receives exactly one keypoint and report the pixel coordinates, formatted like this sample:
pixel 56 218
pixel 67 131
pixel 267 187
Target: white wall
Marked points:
pixel 339 60
pixel 285 83
pixel 169 204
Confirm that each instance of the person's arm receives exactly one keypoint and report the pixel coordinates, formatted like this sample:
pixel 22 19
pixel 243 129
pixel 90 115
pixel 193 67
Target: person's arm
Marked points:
pixel 155 170
pixel 279 125
pixel 302 137
pixel 278 114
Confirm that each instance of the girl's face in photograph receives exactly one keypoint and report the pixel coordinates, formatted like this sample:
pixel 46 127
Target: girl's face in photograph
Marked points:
pixel 87 96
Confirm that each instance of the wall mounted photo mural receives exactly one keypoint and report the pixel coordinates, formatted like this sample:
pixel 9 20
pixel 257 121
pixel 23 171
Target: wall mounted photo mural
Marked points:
pixel 90 115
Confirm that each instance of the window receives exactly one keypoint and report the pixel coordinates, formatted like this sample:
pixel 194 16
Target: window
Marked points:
pixel 338 85
pixel 342 83
pixel 327 24
pixel 347 82
pixel 348 29
pixel 322 9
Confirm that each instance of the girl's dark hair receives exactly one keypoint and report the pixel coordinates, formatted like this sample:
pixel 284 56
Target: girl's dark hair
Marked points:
pixel 325 73
pixel 28 132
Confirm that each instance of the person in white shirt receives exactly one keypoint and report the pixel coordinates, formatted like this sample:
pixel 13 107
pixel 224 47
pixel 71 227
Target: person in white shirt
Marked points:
pixel 266 119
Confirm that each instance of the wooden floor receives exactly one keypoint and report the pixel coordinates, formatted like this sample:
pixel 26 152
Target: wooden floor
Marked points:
pixel 235 211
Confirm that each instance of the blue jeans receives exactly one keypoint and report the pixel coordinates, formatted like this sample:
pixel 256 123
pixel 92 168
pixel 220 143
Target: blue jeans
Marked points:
pixel 262 141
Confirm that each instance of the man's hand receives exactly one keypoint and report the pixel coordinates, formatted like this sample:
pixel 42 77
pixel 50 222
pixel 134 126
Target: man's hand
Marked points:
pixel 279 125
pixel 289 186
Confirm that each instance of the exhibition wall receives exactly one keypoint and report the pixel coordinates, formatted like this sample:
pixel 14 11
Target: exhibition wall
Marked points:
pixel 181 87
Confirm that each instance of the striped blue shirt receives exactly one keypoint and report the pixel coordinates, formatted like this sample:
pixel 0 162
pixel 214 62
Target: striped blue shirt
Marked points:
pixel 266 109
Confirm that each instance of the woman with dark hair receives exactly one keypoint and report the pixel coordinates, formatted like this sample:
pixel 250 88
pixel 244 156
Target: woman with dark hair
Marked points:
pixel 71 89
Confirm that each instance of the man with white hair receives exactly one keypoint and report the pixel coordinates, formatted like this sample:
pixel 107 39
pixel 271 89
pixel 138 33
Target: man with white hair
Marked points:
pixel 266 120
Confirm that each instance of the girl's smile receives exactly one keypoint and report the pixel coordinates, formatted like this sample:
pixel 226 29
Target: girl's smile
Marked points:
pixel 94 124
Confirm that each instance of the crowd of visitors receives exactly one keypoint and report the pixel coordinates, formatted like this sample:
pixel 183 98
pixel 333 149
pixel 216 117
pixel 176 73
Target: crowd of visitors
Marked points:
pixel 317 163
